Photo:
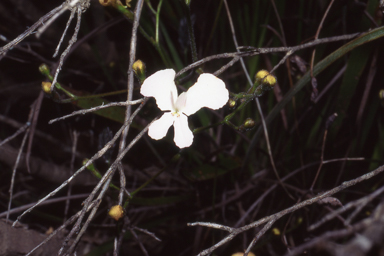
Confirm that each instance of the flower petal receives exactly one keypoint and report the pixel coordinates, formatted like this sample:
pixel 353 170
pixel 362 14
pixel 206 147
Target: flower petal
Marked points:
pixel 209 91
pixel 181 101
pixel 158 129
pixel 161 86
pixel 183 135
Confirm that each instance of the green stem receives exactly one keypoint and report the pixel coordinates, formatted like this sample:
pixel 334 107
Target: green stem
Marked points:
pixel 158 21
pixel 74 98
pixel 148 181
pixel 45 71
pixel 129 14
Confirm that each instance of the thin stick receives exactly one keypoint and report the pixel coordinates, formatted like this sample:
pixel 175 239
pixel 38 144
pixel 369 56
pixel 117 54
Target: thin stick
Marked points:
pixel 75 136
pixel 35 117
pixel 49 201
pixel 14 173
pixel 131 74
pixel 90 110
pixel 19 131
pixel 64 33
pixel 314 51
pixel 71 42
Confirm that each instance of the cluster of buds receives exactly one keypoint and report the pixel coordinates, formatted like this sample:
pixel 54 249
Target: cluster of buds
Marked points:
pixel 264 81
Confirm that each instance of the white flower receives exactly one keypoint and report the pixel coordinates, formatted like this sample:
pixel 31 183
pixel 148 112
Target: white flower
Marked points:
pixel 209 91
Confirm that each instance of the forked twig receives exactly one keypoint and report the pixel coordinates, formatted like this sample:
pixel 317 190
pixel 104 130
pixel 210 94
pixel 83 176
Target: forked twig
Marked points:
pixel 233 232
pixel 30 30
pixel 252 51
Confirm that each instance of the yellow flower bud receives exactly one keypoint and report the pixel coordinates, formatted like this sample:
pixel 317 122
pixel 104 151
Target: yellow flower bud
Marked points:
pixel 261 74
pixel 43 68
pixel 249 123
pixel 264 77
pixel 46 86
pixel 138 66
pixel 139 69
pixel 116 212
pixel 276 231
pixel 231 103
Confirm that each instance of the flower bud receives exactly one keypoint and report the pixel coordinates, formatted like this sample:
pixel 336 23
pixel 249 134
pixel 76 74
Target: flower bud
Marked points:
pixel 266 78
pixel 261 74
pixel 116 212
pixel 46 86
pixel 276 231
pixel 139 69
pixel 232 103
pixel 43 68
pixel 249 123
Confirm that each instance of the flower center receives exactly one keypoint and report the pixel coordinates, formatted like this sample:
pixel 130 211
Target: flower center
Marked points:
pixel 176 114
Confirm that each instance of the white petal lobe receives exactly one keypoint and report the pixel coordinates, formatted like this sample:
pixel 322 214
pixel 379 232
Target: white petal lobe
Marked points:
pixel 183 135
pixel 161 86
pixel 209 91
pixel 158 129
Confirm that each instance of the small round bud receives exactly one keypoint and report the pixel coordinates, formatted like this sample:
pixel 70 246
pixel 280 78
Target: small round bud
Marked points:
pixel 116 212
pixel 249 123
pixel 276 231
pixel 231 103
pixel 46 86
pixel 138 66
pixel 43 68
pixel 139 69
